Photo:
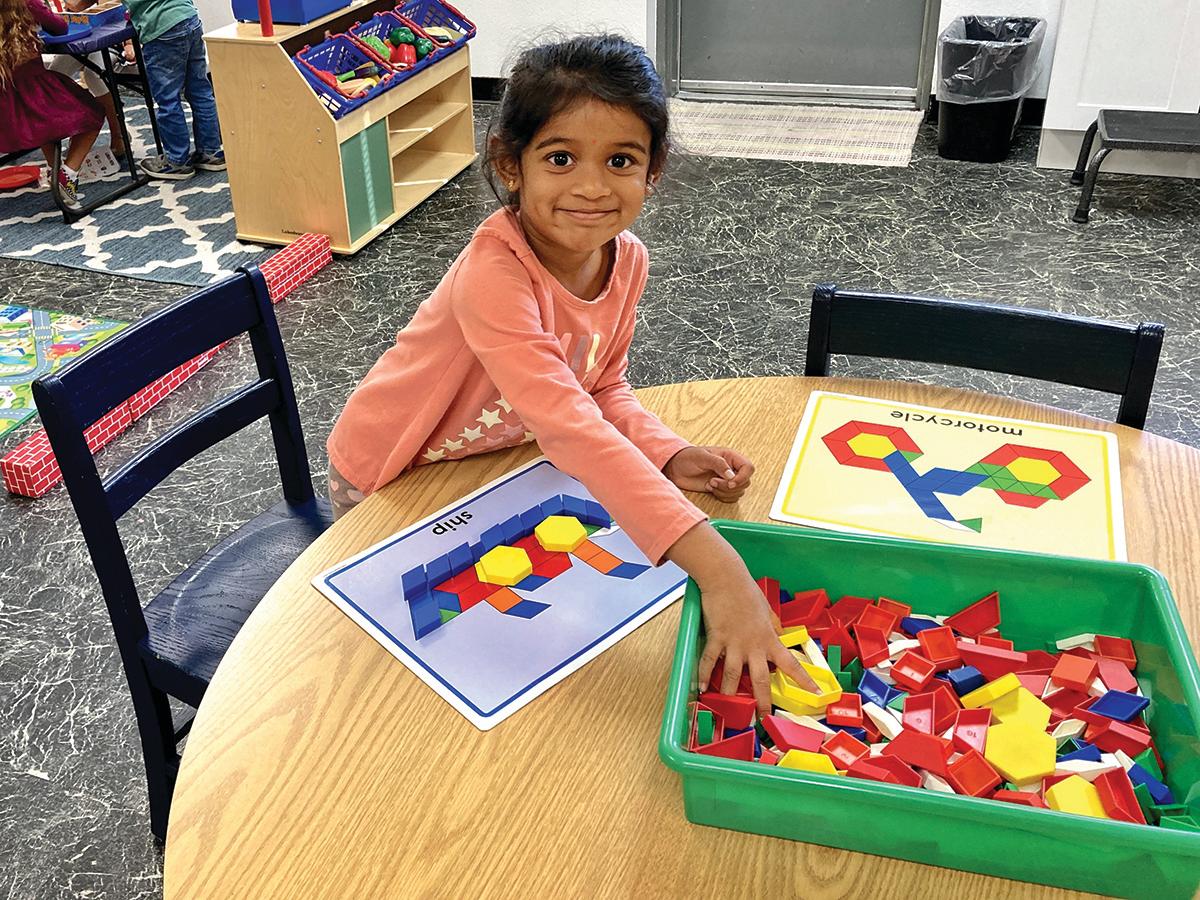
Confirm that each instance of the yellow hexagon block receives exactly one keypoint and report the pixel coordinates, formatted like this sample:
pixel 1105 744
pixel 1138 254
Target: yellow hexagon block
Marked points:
pixel 875 446
pixel 560 534
pixel 504 565
pixel 794 637
pixel 991 691
pixel 1020 752
pixel 807 762
pixel 1035 471
pixel 1021 705
pixel 1076 795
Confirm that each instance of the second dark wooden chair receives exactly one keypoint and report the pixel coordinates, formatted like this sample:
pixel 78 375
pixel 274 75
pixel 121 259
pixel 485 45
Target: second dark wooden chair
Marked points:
pixel 172 646
pixel 1089 353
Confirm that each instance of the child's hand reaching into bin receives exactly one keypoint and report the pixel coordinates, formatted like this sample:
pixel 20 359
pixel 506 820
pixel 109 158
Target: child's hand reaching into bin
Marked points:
pixel 737 620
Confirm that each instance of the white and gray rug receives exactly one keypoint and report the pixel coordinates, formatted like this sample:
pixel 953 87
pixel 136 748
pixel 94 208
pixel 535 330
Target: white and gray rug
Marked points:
pixel 178 232
pixel 827 134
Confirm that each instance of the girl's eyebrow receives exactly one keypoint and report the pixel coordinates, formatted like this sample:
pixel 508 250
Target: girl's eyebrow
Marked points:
pixel 621 145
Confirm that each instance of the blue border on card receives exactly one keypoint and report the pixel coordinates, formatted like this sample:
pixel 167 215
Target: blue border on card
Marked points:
pixel 416 659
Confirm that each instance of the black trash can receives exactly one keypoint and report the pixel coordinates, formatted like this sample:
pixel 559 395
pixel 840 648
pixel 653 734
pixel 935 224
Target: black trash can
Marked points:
pixel 986 65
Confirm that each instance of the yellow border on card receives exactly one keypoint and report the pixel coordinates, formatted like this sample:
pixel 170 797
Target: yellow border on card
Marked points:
pixel 888 404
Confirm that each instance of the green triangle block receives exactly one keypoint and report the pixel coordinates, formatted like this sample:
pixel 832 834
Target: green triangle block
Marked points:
pixel 1148 761
pixel 833 656
pixel 447 615
pixel 1145 801
pixel 897 702
pixel 704 727
pixel 591 529
pixel 981 469
pixel 975 525
pixel 1006 482
pixel 1179 823
pixel 1172 809
pixel 1044 491
pixel 910 455
pixel 855 670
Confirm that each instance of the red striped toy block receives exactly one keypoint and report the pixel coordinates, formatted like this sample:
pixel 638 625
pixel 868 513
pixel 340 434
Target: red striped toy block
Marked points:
pixel 295 264
pixel 30 469
pixel 152 394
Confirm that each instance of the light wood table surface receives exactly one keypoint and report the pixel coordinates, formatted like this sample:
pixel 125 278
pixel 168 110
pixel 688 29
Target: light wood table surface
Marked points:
pixel 319 766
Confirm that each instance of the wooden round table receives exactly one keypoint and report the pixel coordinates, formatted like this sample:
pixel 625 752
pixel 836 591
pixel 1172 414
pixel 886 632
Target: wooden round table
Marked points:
pixel 319 766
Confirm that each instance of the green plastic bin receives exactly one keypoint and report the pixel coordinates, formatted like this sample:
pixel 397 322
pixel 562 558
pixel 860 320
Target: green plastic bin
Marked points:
pixel 1043 598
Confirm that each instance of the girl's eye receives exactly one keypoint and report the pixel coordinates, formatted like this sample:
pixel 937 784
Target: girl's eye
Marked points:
pixel 561 158
pixel 621 161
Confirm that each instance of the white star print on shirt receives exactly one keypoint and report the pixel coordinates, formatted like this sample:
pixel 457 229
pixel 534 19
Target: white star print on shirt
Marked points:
pixel 471 434
pixel 452 445
pixel 489 418
pixel 503 404
pixel 529 436
pixel 434 455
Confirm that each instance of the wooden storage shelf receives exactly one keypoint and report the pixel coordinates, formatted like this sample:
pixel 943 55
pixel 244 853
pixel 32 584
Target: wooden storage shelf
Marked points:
pixel 294 168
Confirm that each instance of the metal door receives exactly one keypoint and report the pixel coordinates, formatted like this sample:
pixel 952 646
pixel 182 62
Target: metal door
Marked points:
pixel 848 51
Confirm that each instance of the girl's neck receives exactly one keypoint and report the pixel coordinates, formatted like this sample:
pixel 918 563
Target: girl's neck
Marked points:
pixel 583 273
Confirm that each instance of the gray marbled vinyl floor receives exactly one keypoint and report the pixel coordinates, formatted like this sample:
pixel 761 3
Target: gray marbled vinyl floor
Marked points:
pixel 735 248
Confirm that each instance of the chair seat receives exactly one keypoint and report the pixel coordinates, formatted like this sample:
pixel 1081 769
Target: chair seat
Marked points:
pixel 194 620
pixel 1131 129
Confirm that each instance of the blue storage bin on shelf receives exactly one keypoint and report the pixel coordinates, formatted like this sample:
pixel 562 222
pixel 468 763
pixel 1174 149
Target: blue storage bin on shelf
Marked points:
pixel 288 12
pixel 339 54
pixel 380 25
pixel 436 14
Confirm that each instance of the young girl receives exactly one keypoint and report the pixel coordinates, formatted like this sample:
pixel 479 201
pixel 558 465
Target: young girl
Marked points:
pixel 526 338
pixel 39 108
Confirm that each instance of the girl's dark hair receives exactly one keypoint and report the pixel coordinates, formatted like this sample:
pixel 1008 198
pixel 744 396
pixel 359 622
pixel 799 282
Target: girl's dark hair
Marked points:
pixel 551 77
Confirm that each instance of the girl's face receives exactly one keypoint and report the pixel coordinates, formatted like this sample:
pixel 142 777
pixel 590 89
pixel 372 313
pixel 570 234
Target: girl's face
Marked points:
pixel 584 176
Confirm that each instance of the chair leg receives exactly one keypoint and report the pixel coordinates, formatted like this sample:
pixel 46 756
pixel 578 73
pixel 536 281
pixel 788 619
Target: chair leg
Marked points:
pixel 1089 184
pixel 1085 150
pixel 153 712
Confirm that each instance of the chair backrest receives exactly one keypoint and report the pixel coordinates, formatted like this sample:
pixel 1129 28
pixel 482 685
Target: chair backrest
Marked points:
pixel 75 397
pixel 1088 353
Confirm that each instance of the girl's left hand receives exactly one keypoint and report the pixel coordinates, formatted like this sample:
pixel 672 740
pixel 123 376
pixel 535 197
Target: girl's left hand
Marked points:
pixel 719 471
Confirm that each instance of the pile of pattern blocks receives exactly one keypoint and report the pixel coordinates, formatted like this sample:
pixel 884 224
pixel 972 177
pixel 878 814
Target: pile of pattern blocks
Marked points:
pixel 522 553
pixel 947 704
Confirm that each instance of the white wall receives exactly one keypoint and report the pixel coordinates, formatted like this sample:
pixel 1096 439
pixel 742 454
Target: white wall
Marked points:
pixel 1043 9
pixel 214 13
pixel 505 27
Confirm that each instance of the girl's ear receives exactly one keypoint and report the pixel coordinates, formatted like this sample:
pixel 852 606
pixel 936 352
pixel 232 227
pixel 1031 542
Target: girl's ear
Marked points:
pixel 506 167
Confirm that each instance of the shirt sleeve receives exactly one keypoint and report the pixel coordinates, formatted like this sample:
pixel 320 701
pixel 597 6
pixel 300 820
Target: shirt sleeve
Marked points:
pixel 620 406
pixel 494 303
pixel 46 19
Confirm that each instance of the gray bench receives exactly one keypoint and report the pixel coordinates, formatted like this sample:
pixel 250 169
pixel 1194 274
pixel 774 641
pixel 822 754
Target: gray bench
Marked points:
pixel 1126 129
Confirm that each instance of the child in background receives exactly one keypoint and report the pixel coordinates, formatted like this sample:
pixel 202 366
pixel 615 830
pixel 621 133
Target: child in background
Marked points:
pixel 527 336
pixel 173 50
pixel 68 65
pixel 39 108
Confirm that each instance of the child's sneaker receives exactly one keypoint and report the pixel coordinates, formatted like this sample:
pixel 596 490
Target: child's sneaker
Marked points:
pixel 209 162
pixel 161 167
pixel 67 188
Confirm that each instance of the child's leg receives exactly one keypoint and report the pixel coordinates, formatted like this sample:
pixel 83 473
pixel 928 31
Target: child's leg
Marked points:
pixel 200 97
pixel 342 494
pixel 166 68
pixel 78 149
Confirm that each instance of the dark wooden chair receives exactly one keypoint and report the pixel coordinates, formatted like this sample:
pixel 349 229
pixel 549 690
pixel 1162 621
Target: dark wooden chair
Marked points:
pixel 1088 353
pixel 173 645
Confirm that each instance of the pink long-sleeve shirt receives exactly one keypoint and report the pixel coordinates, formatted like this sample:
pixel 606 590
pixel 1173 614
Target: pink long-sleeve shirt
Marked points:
pixel 500 354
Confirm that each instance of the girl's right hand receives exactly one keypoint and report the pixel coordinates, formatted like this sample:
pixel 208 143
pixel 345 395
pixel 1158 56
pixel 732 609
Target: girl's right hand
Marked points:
pixel 741 629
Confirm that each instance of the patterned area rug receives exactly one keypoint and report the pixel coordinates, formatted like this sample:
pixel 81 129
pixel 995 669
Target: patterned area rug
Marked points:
pixel 827 134
pixel 179 232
